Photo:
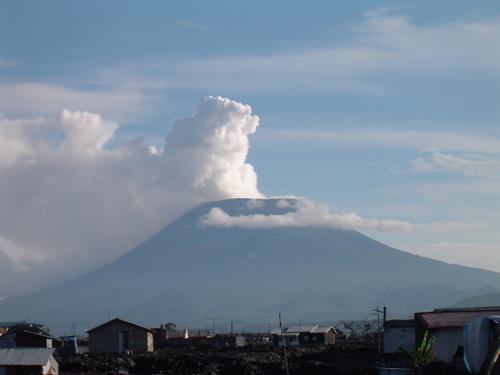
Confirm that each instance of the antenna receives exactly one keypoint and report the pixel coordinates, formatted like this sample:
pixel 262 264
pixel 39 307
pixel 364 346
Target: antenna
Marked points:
pixel 284 345
pixel 378 311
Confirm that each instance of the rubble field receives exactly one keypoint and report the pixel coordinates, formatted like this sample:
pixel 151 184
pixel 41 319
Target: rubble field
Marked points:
pixel 249 360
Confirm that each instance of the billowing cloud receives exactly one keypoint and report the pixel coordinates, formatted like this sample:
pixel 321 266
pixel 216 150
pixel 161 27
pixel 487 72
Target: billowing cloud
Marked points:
pixel 304 213
pixel 85 133
pixel 69 202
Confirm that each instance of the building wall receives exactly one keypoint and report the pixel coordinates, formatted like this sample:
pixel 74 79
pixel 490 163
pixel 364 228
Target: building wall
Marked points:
pixel 51 368
pixel 106 338
pixel 446 342
pixel 24 340
pixel 399 338
pixel 330 338
pixel 314 339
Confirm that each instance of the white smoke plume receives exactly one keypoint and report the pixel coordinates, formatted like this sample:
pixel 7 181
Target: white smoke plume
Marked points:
pixel 68 205
pixel 303 213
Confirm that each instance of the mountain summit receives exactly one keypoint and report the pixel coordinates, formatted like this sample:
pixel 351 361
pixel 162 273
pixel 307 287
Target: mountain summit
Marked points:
pixel 190 272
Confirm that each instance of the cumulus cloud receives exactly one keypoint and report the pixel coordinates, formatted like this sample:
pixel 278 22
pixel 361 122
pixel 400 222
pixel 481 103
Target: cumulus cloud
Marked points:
pixel 69 202
pixel 85 133
pixel 303 213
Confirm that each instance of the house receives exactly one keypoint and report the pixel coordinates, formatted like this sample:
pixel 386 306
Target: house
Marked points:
pixel 120 336
pixel 230 341
pixel 27 361
pixel 305 335
pixel 446 327
pixel 27 335
pixel 399 334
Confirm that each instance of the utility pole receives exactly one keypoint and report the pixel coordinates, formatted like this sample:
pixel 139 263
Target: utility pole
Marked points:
pixel 378 311
pixel 284 345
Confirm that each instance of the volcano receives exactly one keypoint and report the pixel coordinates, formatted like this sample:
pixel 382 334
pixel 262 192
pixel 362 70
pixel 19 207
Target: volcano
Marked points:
pixel 189 274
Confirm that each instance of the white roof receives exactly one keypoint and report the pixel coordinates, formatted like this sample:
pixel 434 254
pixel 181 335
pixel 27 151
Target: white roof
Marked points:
pixel 302 329
pixel 25 356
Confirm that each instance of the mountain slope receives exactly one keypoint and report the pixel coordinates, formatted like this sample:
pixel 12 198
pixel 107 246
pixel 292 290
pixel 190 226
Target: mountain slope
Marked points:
pixel 483 300
pixel 187 273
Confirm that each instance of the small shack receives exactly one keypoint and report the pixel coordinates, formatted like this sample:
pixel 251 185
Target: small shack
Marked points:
pixel 399 334
pixel 446 327
pixel 305 335
pixel 21 361
pixel 120 336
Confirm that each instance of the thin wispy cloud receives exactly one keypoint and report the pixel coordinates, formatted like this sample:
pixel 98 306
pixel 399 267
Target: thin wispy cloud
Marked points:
pixel 383 46
pixel 381 137
pixel 473 165
pixel 43 98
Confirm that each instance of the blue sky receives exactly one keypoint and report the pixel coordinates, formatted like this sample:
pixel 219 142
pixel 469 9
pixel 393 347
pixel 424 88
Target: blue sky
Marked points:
pixel 389 109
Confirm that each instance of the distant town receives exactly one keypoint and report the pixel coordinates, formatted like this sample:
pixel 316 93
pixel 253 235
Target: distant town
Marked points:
pixel 441 341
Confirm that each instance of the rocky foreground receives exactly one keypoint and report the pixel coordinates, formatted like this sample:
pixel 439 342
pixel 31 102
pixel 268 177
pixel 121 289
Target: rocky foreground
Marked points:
pixel 247 361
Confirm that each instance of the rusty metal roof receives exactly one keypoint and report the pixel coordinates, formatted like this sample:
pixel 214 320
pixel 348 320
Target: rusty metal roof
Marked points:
pixel 451 319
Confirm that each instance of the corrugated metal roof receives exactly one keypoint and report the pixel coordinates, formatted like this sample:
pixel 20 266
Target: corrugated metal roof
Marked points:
pixel 301 329
pixel 452 319
pixel 25 356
